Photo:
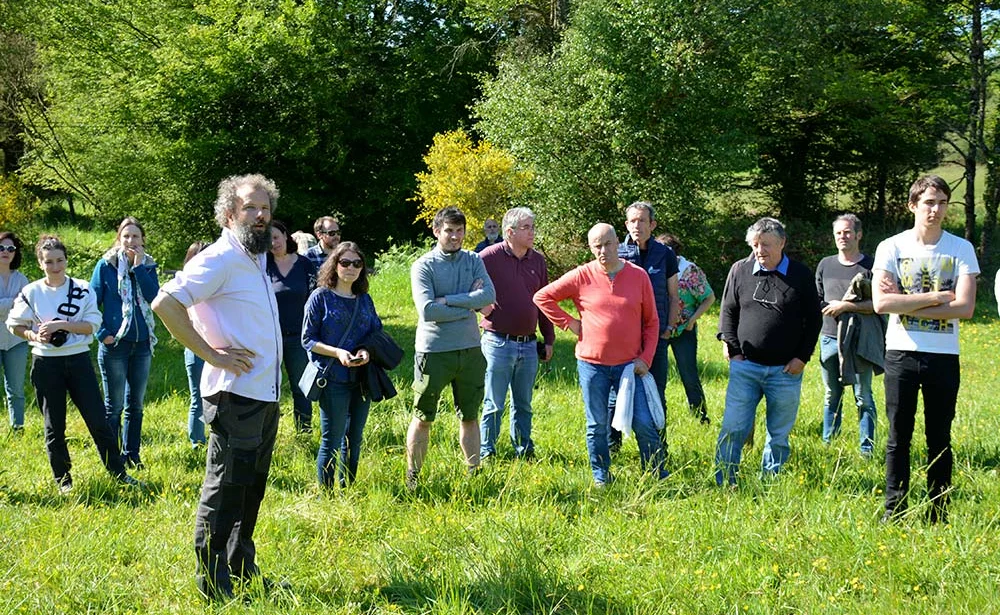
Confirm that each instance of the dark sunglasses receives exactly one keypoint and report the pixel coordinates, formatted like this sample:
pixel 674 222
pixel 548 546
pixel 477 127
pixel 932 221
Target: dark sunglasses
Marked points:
pixel 346 262
pixel 10 249
pixel 333 233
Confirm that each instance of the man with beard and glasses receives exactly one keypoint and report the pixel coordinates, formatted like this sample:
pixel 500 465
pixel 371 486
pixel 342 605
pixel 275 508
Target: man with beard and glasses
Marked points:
pixel 449 284
pixel 222 307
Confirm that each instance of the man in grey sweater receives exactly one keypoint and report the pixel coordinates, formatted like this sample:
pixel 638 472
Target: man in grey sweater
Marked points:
pixel 449 285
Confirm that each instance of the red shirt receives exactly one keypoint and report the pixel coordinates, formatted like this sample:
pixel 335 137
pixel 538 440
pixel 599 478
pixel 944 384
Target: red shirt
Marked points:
pixel 516 280
pixel 619 321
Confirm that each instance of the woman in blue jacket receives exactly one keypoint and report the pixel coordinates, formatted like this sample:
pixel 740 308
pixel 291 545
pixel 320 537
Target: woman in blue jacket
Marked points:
pixel 124 282
pixel 339 315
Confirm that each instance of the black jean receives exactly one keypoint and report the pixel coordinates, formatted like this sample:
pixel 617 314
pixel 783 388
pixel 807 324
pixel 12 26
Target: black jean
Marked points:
pixel 55 377
pixel 236 467
pixel 906 374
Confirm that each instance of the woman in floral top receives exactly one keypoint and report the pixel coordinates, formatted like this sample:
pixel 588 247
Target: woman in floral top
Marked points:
pixel 696 297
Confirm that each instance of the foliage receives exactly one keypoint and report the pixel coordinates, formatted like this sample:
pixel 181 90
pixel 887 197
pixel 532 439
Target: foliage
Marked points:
pixel 17 206
pixel 150 103
pixel 634 103
pixel 856 91
pixel 479 178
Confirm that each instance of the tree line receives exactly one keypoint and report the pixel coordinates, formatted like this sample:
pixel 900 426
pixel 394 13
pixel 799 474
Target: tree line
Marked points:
pixel 715 109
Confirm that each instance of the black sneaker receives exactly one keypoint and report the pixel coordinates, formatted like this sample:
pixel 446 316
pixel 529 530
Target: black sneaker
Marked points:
pixel 129 481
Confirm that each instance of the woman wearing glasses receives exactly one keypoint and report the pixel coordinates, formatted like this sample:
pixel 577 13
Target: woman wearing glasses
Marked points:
pixel 58 316
pixel 124 282
pixel 339 314
pixel 13 350
pixel 292 278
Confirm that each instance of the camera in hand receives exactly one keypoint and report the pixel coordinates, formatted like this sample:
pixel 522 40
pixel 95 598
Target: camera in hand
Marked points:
pixel 58 338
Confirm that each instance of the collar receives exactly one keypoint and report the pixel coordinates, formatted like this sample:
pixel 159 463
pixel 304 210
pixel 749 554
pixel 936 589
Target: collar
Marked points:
pixel 782 267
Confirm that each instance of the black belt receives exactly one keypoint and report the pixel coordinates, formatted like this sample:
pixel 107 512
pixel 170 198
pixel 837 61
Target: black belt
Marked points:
pixel 515 338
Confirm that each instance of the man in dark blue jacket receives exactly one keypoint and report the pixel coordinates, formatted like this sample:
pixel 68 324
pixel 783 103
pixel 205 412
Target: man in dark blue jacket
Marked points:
pixel 660 264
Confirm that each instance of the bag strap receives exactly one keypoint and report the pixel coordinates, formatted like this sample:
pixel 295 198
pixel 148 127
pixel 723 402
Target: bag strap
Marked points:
pixel 357 304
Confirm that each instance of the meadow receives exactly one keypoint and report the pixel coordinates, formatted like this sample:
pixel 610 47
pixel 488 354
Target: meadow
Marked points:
pixel 520 537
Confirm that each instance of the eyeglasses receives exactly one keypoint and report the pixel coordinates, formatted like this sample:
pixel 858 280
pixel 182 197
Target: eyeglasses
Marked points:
pixel 10 249
pixel 763 289
pixel 346 262
pixel 331 233
pixel 525 227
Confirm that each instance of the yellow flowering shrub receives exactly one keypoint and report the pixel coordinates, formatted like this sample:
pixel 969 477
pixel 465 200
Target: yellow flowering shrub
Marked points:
pixel 479 178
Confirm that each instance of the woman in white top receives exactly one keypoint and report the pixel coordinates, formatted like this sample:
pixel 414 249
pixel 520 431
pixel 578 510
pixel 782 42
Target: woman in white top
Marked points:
pixel 13 350
pixel 58 316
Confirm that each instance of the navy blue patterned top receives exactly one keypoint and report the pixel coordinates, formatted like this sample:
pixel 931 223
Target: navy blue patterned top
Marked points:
pixel 327 315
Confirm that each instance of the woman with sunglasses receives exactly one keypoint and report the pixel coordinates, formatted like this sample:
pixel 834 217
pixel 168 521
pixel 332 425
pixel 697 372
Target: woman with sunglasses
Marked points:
pixel 124 282
pixel 293 277
pixel 58 316
pixel 13 350
pixel 339 314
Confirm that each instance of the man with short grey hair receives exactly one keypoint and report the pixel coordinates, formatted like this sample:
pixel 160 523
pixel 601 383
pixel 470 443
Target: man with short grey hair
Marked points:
pixel 769 322
pixel 222 307
pixel 508 342
pixel 492 231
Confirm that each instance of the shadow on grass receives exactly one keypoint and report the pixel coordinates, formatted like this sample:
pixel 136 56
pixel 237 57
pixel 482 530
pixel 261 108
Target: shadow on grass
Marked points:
pixel 527 587
pixel 102 492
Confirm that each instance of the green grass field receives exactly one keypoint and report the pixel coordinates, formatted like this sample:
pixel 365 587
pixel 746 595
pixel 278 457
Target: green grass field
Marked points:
pixel 521 537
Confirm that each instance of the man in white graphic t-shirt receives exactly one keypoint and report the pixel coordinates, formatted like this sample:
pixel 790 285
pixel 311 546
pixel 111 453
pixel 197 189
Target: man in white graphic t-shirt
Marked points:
pixel 925 278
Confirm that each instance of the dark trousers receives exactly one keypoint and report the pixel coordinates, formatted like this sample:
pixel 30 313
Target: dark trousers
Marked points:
pixel 55 377
pixel 906 374
pixel 236 468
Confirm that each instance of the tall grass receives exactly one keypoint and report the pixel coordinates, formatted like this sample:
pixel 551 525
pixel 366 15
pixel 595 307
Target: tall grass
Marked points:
pixel 520 537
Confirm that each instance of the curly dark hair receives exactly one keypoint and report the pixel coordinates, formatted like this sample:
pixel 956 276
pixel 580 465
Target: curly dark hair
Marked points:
pixel 327 276
pixel 16 261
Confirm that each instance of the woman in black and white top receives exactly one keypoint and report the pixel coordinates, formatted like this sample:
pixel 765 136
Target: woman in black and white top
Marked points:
pixel 58 316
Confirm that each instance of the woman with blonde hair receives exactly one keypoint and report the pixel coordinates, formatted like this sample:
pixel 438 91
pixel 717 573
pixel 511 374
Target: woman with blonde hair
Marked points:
pixel 124 282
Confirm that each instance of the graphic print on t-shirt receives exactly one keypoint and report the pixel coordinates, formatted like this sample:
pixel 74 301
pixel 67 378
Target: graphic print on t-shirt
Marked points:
pixel 925 274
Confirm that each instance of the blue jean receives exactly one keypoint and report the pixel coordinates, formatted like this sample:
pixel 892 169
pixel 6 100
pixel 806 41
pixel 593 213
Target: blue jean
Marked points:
pixel 748 383
pixel 296 359
pixel 193 364
pixel 15 365
pixel 343 412
pixel 596 383
pixel 509 365
pixel 124 374
pixel 685 348
pixel 863 398
pixel 659 370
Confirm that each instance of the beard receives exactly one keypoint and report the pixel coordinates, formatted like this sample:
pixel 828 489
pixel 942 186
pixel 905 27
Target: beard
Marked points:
pixel 256 242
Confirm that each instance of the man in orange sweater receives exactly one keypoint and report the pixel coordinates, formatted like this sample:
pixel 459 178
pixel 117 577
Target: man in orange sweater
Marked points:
pixel 617 329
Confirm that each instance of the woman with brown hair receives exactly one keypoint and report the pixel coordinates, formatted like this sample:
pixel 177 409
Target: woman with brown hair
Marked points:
pixel 13 350
pixel 58 316
pixel 339 315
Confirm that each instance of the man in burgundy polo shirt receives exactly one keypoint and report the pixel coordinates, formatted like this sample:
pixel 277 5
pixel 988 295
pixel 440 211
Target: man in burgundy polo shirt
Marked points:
pixel 508 340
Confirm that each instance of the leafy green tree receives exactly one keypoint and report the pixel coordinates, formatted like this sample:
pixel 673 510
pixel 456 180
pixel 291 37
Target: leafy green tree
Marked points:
pixel 153 101
pixel 634 103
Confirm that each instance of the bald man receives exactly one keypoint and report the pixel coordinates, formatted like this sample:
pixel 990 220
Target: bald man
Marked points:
pixel 617 330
